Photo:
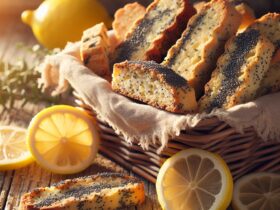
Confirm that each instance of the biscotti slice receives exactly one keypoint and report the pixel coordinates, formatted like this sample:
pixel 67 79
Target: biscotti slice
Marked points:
pixel 269 26
pixel 195 54
pixel 154 84
pixel 239 71
pixel 152 35
pixel 102 191
pixel 125 17
pixel 95 50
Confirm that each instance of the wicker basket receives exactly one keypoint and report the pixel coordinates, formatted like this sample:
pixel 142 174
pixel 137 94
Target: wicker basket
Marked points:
pixel 243 153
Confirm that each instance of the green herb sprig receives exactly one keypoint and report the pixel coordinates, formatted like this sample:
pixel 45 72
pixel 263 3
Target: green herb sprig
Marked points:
pixel 18 80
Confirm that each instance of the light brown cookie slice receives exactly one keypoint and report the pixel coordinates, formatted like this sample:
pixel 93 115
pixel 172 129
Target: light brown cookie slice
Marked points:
pixel 101 191
pixel 239 71
pixel 155 85
pixel 95 50
pixel 152 35
pixel 195 54
pixel 125 18
pixel 269 26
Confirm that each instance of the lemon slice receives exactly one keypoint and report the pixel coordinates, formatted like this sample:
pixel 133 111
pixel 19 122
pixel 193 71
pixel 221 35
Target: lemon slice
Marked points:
pixel 194 179
pixel 63 139
pixel 257 191
pixel 13 149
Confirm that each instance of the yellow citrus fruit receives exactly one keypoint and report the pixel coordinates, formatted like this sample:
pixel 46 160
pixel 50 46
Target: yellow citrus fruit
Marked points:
pixel 257 191
pixel 13 149
pixel 194 179
pixel 56 22
pixel 63 139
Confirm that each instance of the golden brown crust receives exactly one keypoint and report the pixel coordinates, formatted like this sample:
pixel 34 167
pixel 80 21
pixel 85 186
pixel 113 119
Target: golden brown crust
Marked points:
pixel 269 26
pixel 125 18
pixel 195 54
pixel 181 96
pixel 248 16
pixel 199 5
pixel 95 49
pixel 239 71
pixel 147 40
pixel 87 192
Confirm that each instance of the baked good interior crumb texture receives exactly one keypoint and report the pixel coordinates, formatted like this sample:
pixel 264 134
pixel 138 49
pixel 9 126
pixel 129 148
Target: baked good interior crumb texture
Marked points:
pixel 101 191
pixel 239 71
pixel 269 26
pixel 154 84
pixel 94 50
pixel 195 54
pixel 152 35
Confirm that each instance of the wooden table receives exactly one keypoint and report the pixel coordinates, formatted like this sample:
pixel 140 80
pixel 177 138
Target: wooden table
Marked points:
pixel 14 183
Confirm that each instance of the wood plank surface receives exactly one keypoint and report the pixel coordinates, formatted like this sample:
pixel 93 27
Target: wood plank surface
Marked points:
pixel 14 183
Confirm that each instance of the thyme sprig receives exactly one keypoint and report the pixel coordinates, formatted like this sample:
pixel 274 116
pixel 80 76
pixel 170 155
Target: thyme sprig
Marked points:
pixel 18 80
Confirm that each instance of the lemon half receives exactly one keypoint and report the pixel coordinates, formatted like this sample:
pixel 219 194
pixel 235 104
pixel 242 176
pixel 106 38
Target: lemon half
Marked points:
pixel 63 139
pixel 257 191
pixel 13 149
pixel 194 179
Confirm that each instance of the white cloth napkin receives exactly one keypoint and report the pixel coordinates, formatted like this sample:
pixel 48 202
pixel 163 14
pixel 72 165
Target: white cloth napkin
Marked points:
pixel 143 123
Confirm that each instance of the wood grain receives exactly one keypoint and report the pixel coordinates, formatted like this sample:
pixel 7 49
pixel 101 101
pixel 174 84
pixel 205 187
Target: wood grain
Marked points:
pixel 14 183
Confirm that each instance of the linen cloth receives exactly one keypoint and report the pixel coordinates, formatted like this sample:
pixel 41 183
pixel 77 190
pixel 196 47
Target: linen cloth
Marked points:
pixel 142 123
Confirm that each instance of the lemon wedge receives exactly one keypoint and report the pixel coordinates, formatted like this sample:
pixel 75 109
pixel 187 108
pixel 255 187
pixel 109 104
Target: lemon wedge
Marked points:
pixel 13 149
pixel 257 191
pixel 63 139
pixel 194 179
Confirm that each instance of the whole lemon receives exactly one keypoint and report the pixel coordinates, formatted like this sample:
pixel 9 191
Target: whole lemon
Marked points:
pixel 55 22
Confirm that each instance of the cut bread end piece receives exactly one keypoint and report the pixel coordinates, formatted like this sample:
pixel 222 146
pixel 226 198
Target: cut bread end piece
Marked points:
pixel 102 191
pixel 195 54
pixel 95 49
pixel 239 71
pixel 154 84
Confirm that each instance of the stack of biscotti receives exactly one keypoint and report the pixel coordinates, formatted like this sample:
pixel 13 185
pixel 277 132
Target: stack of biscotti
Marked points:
pixel 152 35
pixel 200 45
pixel 211 61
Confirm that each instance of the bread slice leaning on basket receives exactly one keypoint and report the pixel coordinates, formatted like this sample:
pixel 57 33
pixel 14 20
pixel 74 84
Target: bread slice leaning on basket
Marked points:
pixel 269 26
pixel 239 71
pixel 195 54
pixel 154 84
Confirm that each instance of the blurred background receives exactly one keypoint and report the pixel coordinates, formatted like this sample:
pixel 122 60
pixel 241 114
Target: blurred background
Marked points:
pixel 18 43
pixel 10 11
